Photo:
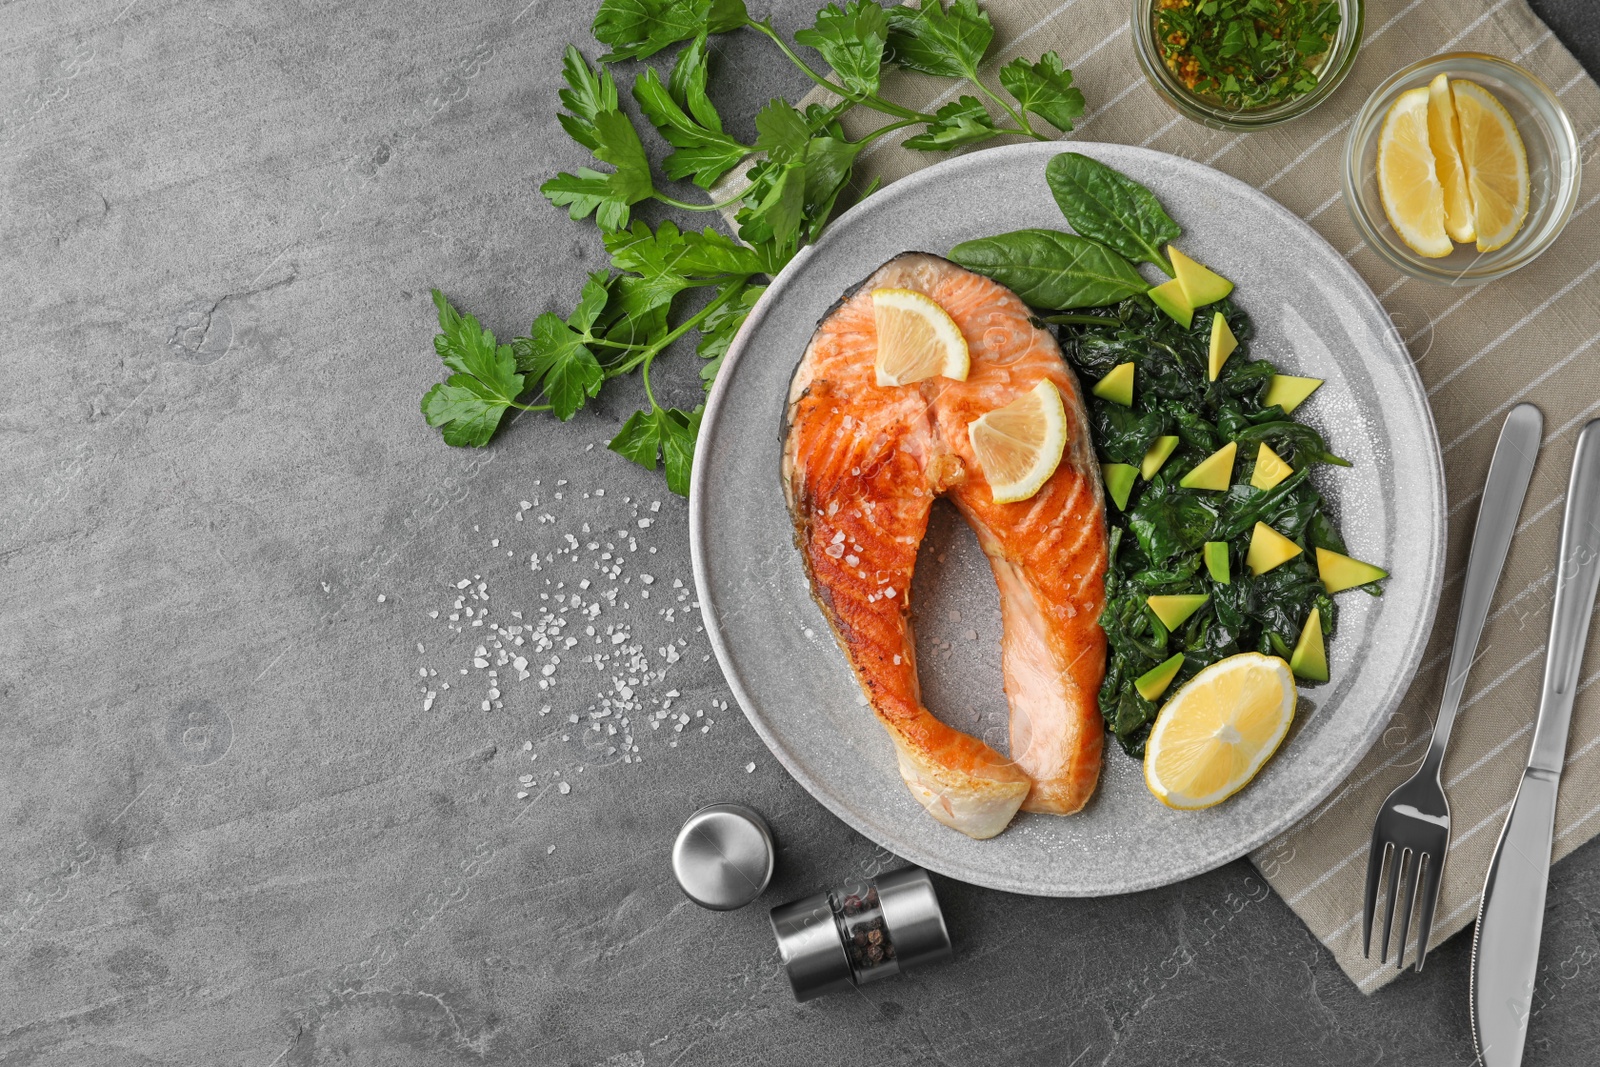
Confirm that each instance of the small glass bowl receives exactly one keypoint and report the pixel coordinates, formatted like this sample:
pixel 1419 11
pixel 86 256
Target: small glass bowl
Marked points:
pixel 1341 56
pixel 1553 169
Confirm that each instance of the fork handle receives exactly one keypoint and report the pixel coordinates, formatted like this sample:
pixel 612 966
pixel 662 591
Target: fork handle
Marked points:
pixel 1509 473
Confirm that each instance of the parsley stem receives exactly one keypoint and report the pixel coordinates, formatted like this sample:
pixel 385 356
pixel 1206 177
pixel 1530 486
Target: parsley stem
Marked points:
pixel 665 199
pixel 649 352
pixel 871 100
pixel 528 407
pixel 1019 117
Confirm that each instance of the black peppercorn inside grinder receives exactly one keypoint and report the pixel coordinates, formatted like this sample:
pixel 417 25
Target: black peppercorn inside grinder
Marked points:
pixel 842 938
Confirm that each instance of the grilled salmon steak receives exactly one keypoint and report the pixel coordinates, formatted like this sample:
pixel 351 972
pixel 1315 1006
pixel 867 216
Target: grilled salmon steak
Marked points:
pixel 862 465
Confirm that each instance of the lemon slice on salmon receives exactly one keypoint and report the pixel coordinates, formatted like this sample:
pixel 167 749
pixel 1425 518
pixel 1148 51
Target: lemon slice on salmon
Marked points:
pixel 1219 730
pixel 1019 446
pixel 1408 178
pixel 1497 164
pixel 917 339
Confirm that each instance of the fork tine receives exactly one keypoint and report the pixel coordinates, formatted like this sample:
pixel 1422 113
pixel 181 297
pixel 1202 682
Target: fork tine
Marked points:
pixel 1396 859
pixel 1369 906
pixel 1407 901
pixel 1430 899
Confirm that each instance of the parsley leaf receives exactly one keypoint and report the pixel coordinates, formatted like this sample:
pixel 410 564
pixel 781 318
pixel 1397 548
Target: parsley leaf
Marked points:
pixel 775 202
pixel 960 122
pixel 467 406
pixel 589 92
pixel 682 255
pixel 678 432
pixel 661 434
pixel 703 153
pixel 852 42
pixel 566 369
pixel 638 28
pixel 687 83
pixel 781 131
pixel 1044 88
pixel 947 42
pixel 607 196
pixel 718 329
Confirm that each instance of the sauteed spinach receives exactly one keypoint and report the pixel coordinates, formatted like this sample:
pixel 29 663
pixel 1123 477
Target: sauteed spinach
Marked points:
pixel 1157 540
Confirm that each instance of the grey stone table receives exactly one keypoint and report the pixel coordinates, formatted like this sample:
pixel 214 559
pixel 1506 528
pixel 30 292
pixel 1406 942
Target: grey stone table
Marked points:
pixel 236 829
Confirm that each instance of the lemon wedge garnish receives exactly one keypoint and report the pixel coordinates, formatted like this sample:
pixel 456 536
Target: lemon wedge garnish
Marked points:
pixel 1408 180
pixel 1019 446
pixel 1496 163
pixel 917 339
pixel 1218 731
pixel 1444 137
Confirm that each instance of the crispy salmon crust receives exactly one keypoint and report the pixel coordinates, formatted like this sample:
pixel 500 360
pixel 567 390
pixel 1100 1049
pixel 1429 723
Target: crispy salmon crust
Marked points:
pixel 862 465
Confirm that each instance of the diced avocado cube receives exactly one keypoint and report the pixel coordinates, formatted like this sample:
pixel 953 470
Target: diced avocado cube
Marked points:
pixel 1215 472
pixel 1288 392
pixel 1117 386
pixel 1174 611
pixel 1339 573
pixel 1168 296
pixel 1309 660
pixel 1222 344
pixel 1200 285
pixel 1153 682
pixel 1269 549
pixel 1157 456
pixel 1270 468
pixel 1216 557
pixel 1119 478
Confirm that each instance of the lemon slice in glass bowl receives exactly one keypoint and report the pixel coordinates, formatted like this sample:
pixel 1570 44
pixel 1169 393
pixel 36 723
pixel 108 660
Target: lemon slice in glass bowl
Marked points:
pixel 1408 180
pixel 917 339
pixel 1019 446
pixel 1496 163
pixel 1219 730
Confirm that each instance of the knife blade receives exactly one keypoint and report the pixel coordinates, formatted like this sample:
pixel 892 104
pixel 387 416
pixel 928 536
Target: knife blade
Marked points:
pixel 1505 944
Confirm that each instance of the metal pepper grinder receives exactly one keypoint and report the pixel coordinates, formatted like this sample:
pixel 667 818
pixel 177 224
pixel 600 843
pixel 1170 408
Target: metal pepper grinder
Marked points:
pixel 842 938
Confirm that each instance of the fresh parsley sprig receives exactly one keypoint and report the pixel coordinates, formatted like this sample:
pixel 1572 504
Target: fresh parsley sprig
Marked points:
pixel 792 177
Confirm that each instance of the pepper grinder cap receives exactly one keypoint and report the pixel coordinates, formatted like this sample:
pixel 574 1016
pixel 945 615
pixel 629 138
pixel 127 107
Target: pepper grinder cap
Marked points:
pixel 723 856
pixel 912 914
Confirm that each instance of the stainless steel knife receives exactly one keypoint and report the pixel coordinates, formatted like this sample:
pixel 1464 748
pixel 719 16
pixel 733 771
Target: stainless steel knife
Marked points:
pixel 1505 945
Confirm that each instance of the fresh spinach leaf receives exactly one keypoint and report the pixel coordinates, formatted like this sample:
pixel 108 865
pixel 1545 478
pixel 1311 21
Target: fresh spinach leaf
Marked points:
pixel 1051 269
pixel 1110 207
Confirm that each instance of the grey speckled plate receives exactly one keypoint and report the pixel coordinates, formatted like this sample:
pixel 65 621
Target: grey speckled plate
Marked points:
pixel 1313 316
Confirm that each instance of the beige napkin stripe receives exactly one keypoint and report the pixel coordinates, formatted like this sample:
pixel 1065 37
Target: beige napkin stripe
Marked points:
pixel 1479 350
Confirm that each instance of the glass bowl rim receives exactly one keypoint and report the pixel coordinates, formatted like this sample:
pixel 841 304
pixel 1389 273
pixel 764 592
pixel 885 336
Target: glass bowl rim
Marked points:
pixel 1192 107
pixel 1363 127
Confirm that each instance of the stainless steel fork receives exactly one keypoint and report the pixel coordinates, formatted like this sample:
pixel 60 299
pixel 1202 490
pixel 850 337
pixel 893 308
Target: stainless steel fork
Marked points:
pixel 1412 830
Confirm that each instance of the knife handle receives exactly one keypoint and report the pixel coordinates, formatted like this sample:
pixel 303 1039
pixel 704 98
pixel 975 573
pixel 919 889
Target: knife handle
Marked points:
pixel 1505 945
pixel 1577 574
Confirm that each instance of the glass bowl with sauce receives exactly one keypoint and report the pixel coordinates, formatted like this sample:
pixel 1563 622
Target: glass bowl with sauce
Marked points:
pixel 1246 64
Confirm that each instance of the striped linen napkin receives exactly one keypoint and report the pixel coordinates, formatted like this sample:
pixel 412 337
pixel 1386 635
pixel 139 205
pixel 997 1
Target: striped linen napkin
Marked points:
pixel 1530 336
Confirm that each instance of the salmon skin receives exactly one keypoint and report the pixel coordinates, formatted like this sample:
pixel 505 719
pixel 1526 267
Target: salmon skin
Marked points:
pixel 862 465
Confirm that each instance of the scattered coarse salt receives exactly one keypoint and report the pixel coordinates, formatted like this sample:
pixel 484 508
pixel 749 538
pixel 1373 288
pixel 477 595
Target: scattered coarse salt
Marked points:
pixel 381 598
pixel 749 768
pixel 564 788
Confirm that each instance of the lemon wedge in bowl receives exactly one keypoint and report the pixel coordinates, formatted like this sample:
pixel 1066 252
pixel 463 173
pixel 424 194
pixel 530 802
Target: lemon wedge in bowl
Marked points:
pixel 1408 179
pixel 1019 446
pixel 917 339
pixel 1496 163
pixel 1218 731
